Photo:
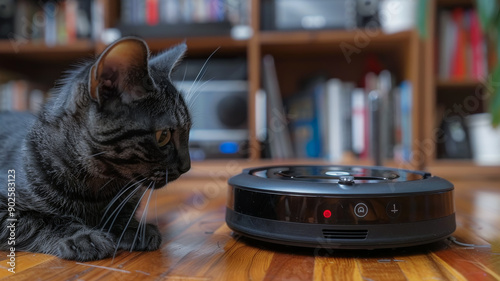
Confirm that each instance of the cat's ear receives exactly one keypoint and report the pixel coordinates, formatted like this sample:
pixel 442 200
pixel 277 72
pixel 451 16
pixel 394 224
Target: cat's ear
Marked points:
pixel 169 59
pixel 122 69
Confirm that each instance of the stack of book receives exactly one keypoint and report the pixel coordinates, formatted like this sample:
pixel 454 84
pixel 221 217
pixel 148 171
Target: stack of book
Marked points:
pixel 331 118
pixel 21 95
pixel 164 18
pixel 462 46
pixel 54 22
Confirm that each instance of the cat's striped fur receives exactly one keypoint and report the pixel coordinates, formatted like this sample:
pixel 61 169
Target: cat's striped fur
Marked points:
pixel 83 164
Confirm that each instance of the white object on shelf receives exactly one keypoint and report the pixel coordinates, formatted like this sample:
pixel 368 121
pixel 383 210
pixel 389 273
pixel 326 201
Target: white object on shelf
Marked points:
pixel 485 140
pixel 110 35
pixel 241 32
pixel 397 15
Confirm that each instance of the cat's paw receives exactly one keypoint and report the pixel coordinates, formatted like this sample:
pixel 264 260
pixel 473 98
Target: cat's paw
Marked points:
pixel 86 245
pixel 135 240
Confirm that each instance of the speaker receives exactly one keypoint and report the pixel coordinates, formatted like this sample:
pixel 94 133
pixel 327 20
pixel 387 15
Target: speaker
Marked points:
pixel 219 111
pixel 308 14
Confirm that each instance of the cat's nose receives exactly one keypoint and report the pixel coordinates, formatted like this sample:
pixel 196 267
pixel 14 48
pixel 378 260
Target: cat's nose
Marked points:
pixel 185 166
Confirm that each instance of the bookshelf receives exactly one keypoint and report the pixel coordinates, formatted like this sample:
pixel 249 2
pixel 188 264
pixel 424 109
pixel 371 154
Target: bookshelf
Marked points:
pixel 77 48
pixel 458 95
pixel 297 54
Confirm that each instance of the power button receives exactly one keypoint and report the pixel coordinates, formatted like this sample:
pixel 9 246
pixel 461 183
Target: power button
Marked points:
pixel 360 210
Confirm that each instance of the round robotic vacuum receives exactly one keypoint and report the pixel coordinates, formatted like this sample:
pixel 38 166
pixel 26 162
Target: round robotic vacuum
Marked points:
pixel 345 207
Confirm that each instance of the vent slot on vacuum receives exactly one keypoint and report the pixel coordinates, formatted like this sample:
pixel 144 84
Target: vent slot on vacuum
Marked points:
pixel 345 234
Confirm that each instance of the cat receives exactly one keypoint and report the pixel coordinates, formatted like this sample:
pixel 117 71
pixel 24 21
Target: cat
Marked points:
pixel 115 130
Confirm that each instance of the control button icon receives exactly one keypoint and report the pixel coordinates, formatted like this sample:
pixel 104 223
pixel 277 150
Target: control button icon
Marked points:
pixel 360 210
pixel 393 209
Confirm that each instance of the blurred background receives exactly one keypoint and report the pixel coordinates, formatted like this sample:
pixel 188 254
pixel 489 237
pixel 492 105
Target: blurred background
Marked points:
pixel 403 83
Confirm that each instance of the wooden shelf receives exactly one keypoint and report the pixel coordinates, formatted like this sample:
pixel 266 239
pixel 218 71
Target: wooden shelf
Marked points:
pixel 455 3
pixel 449 96
pixel 8 47
pixel 201 45
pixel 196 45
pixel 451 83
pixel 359 38
pixel 399 52
pixel 39 52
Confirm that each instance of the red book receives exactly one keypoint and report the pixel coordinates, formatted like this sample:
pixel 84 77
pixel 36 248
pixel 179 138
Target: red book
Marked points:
pixel 458 63
pixel 152 17
pixel 71 13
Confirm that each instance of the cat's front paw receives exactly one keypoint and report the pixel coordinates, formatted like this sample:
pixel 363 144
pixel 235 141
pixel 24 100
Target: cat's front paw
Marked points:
pixel 140 240
pixel 86 245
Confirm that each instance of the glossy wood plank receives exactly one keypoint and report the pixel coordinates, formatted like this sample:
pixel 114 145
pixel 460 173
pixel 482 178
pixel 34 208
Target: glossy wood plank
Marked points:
pixel 198 245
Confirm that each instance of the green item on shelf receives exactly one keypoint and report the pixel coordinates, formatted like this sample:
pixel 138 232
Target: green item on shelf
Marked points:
pixel 489 15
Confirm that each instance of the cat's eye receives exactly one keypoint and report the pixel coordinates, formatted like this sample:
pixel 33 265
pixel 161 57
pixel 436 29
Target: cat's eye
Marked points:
pixel 163 137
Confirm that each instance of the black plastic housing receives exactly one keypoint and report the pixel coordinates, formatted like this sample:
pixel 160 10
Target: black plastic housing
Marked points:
pixel 350 207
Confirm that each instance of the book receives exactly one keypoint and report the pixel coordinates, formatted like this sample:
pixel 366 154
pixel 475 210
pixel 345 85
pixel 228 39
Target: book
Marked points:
pixel 385 87
pixel 50 22
pixel 181 18
pixel 406 105
pixel 305 125
pixel 71 20
pixel 358 121
pixel 21 95
pixel 458 61
pixel 336 126
pixel 279 142
pixel 50 31
pixel 152 10
pixel 447 35
pixel 462 47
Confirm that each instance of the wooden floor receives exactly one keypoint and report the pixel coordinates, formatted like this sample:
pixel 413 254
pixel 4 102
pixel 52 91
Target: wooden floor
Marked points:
pixel 199 246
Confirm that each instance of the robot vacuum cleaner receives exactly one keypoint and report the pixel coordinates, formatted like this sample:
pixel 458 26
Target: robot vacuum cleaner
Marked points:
pixel 345 207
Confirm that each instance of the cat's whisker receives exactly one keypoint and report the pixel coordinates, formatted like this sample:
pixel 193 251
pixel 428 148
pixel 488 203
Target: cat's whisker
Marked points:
pixel 128 222
pixel 98 153
pixel 124 189
pixel 156 209
pixel 118 209
pixel 196 94
pixel 147 209
pixel 106 184
pixel 142 221
pixel 185 71
pixel 202 68
pixel 195 87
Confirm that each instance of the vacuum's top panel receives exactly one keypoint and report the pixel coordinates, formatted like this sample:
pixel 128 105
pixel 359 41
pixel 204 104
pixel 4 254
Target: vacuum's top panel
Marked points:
pixel 336 174
pixel 339 180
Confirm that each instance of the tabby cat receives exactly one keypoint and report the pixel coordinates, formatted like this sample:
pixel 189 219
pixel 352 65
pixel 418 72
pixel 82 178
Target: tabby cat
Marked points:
pixel 115 130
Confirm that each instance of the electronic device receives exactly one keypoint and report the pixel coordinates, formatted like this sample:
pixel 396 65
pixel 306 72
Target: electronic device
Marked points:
pixel 454 141
pixel 308 14
pixel 219 118
pixel 347 207
pixel 216 91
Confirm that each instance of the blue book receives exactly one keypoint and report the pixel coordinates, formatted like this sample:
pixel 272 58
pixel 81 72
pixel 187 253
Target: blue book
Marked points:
pixel 306 128
pixel 406 114
pixel 50 10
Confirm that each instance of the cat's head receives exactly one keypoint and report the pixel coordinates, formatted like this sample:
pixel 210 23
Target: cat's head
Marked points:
pixel 131 122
